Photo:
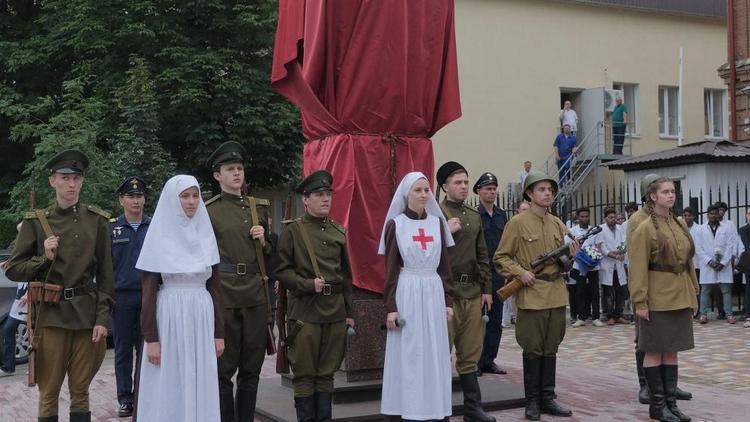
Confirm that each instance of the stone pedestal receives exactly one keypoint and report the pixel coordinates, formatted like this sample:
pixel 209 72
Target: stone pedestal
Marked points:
pixel 365 352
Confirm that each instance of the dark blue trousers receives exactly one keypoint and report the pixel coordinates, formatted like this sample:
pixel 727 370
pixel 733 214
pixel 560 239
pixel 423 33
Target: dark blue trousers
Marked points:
pixel 8 350
pixel 493 330
pixel 127 326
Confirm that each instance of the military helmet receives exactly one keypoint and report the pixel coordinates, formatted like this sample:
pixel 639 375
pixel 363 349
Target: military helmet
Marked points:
pixel 534 177
pixel 646 181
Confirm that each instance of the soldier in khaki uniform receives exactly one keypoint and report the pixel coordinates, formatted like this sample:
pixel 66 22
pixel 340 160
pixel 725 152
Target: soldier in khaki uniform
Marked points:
pixel 540 324
pixel 632 223
pixel 472 284
pixel 320 297
pixel 244 290
pixel 71 334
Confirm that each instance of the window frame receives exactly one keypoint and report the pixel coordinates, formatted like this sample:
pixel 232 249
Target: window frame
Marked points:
pixel 663 98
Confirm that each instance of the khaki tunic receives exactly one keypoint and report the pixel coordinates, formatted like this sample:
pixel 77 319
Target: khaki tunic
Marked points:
pixel 659 290
pixel 84 254
pixel 469 255
pixel 294 270
pixel 526 237
pixel 231 220
pixel 637 218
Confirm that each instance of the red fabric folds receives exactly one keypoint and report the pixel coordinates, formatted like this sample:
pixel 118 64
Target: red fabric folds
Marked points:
pixel 374 79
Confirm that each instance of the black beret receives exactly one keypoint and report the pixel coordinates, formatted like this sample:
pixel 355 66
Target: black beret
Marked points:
pixel 228 152
pixel 133 185
pixel 317 181
pixel 69 161
pixel 485 180
pixel 447 170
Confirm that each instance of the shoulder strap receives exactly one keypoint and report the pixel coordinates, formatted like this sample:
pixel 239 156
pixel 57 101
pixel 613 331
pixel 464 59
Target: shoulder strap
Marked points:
pixel 45 224
pixel 447 213
pixel 212 200
pixel 308 246
pixel 97 210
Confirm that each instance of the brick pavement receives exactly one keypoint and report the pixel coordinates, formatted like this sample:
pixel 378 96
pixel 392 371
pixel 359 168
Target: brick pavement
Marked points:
pixel 596 377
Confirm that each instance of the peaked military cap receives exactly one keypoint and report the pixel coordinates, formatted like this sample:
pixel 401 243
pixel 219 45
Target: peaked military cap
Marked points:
pixel 486 179
pixel 228 152
pixel 317 181
pixel 447 170
pixel 133 185
pixel 70 161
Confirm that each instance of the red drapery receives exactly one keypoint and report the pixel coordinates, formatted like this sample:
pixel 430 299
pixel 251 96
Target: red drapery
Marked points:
pixel 374 79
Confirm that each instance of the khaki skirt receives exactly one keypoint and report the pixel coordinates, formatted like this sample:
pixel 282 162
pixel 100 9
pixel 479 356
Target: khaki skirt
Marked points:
pixel 666 332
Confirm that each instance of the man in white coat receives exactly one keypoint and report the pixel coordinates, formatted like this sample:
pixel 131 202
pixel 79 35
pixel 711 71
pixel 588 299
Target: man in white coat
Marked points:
pixel 611 242
pixel 716 245
pixel 587 286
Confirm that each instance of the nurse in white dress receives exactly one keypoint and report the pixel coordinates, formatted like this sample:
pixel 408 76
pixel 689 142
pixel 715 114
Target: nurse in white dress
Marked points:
pixel 417 373
pixel 181 320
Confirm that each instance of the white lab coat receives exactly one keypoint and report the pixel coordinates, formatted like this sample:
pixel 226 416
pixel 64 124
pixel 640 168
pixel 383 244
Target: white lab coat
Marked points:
pixel 706 245
pixel 607 241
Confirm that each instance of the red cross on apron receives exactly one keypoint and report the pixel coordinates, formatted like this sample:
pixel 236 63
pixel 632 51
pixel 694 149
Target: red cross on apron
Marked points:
pixel 423 239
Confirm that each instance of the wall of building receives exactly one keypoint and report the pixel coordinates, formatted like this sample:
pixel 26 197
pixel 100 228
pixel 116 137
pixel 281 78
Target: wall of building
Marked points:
pixel 516 55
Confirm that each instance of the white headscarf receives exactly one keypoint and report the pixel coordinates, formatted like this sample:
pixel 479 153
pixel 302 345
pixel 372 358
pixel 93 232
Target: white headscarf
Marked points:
pixel 400 201
pixel 174 242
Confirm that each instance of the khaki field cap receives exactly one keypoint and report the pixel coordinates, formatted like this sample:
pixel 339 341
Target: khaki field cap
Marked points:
pixel 536 176
pixel 646 181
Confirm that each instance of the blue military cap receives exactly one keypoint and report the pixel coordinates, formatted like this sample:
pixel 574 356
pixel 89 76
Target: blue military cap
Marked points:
pixel 132 185
pixel 70 161
pixel 485 179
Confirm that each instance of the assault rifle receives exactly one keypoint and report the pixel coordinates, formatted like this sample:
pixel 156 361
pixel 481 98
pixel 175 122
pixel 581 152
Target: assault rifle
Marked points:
pixel 560 255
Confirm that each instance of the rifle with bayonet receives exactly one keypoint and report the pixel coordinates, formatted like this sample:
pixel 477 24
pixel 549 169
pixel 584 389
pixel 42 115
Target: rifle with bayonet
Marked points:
pixel 560 255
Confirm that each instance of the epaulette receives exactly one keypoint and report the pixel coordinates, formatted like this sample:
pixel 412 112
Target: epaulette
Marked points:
pixel 97 210
pixel 113 220
pixel 290 221
pixel 262 202
pixel 29 215
pixel 337 226
pixel 212 200
pixel 471 208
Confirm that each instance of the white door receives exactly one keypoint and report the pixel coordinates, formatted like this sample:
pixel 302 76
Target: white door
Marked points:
pixel 590 129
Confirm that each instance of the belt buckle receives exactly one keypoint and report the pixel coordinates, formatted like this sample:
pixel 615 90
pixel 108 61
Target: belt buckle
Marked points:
pixel 68 293
pixel 241 269
pixel 327 290
pixel 464 279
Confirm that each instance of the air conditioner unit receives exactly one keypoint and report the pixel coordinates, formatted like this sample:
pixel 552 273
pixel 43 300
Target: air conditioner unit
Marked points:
pixel 609 99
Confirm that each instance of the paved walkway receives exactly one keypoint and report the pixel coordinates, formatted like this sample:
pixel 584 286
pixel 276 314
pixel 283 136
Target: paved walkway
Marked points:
pixel 596 378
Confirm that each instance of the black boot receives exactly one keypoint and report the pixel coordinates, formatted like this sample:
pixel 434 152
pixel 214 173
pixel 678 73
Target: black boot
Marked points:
pixel 47 419
pixel 531 381
pixel 683 395
pixel 305 408
pixel 473 399
pixel 245 405
pixel 80 416
pixel 323 411
pixel 669 375
pixel 643 397
pixel 548 403
pixel 657 408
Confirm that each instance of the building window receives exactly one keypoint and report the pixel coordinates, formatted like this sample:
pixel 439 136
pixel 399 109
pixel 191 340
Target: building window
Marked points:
pixel 668 111
pixel 715 113
pixel 631 100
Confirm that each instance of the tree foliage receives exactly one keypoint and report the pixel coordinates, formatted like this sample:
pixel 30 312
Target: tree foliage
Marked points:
pixel 144 87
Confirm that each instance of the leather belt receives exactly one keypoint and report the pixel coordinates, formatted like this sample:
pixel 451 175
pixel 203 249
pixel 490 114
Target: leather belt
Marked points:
pixel 666 268
pixel 71 292
pixel 463 278
pixel 547 277
pixel 332 289
pixel 239 269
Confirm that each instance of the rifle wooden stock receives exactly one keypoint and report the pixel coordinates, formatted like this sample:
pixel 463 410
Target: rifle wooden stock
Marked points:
pixel 31 382
pixel 510 288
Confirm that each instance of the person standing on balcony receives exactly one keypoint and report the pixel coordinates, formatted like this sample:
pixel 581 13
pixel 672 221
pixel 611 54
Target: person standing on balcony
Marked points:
pixel 565 147
pixel 568 116
pixel 525 172
pixel 619 123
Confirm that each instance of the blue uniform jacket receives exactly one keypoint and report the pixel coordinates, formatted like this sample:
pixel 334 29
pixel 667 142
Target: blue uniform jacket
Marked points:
pixel 493 230
pixel 126 246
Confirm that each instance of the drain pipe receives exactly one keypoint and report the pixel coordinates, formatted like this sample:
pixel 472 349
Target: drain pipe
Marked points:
pixel 732 71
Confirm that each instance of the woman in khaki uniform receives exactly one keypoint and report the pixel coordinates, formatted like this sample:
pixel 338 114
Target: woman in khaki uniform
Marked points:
pixel 663 287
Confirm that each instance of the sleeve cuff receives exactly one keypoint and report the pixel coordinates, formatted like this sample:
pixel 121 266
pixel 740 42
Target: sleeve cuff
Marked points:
pixel 641 306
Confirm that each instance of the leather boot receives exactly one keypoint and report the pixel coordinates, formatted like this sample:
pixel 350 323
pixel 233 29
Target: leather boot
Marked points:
pixel 47 419
pixel 305 407
pixel 531 381
pixel 548 403
pixel 323 411
pixel 643 396
pixel 245 405
pixel 683 395
pixel 80 416
pixel 473 399
pixel 669 375
pixel 657 408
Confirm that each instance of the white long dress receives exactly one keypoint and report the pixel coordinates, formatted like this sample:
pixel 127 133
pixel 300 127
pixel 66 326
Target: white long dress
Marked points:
pixel 185 386
pixel 417 373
